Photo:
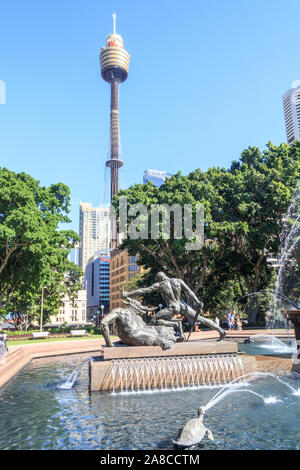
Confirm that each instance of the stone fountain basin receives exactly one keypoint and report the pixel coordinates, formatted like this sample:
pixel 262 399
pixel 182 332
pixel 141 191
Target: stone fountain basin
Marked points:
pixel 100 372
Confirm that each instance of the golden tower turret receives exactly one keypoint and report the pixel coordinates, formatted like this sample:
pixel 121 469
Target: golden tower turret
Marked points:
pixel 114 59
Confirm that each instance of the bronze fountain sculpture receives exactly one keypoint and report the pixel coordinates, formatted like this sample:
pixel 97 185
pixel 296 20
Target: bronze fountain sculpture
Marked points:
pixel 192 432
pixel 170 290
pixel 133 330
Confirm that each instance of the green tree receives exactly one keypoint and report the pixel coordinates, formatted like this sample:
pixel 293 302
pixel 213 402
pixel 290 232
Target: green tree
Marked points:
pixel 33 251
pixel 243 211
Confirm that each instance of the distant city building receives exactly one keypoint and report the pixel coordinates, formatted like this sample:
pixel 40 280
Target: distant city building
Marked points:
pixel 72 311
pixel 122 268
pixel 291 108
pixel 94 231
pixel 157 177
pixel 74 254
pixel 97 273
pixel 104 283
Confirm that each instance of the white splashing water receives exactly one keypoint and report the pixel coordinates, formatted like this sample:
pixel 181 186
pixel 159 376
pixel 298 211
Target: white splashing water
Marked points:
pixel 3 348
pixel 69 382
pixel 173 373
pixel 273 343
pixel 288 240
pixel 220 397
pixel 231 387
pixel 71 379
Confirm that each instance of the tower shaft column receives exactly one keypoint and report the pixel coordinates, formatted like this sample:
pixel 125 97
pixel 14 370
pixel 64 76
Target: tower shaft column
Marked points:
pixel 114 137
pixel 114 152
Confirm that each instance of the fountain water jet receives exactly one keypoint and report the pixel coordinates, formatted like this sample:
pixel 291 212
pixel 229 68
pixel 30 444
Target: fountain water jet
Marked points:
pixel 172 373
pixel 275 343
pixel 194 430
pixel 218 398
pixel 3 347
pixel 289 239
pixel 71 379
pixel 251 375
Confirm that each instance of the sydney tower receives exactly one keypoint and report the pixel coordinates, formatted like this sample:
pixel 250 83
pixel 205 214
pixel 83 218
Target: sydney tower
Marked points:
pixel 114 62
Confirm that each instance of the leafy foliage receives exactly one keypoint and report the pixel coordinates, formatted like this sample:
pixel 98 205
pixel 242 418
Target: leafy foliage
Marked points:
pixel 33 252
pixel 243 211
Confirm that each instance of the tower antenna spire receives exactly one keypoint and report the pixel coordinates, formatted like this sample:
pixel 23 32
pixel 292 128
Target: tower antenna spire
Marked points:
pixel 114 20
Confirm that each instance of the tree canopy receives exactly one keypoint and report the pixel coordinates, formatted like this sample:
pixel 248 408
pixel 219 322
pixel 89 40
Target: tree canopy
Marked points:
pixel 33 251
pixel 243 210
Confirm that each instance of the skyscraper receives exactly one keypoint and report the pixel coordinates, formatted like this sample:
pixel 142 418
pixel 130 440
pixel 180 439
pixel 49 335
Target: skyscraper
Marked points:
pixel 97 285
pixel 291 108
pixel 157 177
pixel 94 231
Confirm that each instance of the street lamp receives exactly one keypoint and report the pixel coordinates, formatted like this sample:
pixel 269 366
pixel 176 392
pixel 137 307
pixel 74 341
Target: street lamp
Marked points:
pixel 42 310
pixel 102 308
pixel 98 318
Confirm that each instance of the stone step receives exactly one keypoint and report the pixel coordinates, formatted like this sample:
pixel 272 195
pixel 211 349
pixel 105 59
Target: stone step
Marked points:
pixel 11 364
pixel 65 352
pixel 11 357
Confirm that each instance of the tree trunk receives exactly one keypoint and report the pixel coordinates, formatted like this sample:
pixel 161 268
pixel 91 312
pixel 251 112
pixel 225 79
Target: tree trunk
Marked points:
pixel 252 311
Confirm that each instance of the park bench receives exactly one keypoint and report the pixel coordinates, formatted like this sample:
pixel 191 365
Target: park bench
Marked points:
pixel 40 334
pixel 79 333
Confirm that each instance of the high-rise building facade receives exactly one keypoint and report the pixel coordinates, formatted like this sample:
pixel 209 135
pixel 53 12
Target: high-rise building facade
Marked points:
pixel 122 268
pixel 97 285
pixel 94 231
pixel 157 177
pixel 104 283
pixel 291 108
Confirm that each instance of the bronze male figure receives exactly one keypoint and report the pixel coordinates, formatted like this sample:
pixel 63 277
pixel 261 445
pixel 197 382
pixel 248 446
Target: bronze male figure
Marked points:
pixel 170 290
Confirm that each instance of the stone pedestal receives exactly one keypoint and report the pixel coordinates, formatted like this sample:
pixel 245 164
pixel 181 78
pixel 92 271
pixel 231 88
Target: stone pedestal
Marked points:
pixel 153 363
pixel 190 348
pixel 142 368
pixel 101 377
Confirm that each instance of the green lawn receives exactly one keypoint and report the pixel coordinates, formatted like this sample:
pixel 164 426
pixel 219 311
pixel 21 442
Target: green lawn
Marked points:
pixel 48 340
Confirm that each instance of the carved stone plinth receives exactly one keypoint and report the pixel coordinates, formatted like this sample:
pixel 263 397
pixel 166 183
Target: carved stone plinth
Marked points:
pixel 179 349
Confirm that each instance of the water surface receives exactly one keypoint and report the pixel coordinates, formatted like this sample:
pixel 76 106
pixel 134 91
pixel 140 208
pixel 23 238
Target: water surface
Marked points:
pixel 37 414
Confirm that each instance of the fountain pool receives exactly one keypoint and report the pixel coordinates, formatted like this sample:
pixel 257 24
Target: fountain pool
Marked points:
pixel 37 414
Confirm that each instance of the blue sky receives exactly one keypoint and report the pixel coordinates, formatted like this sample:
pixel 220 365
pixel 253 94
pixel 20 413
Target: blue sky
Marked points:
pixel 205 81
